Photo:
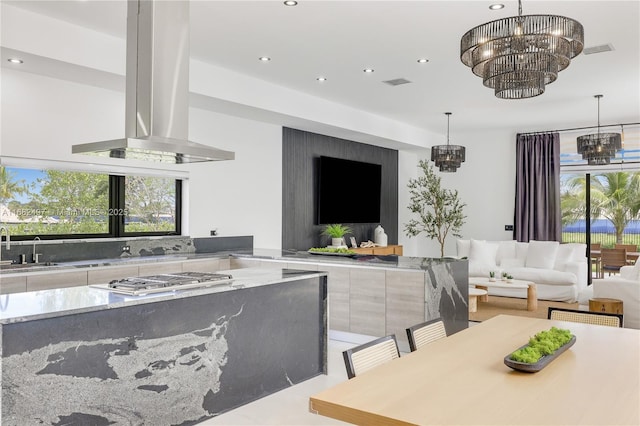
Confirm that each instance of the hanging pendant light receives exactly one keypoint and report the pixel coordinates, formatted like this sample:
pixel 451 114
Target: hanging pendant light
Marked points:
pixel 519 55
pixel 599 148
pixel 448 157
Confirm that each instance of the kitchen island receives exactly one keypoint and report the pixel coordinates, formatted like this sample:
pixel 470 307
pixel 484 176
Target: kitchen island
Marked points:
pixel 83 355
pixel 376 295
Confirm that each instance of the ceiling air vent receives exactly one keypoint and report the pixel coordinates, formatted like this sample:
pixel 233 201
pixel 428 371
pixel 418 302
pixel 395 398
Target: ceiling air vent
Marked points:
pixel 598 49
pixel 397 81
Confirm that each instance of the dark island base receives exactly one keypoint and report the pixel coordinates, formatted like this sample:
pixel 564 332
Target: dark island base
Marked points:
pixel 175 362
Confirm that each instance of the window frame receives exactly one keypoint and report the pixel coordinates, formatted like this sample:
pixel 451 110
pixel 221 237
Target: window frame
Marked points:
pixel 116 225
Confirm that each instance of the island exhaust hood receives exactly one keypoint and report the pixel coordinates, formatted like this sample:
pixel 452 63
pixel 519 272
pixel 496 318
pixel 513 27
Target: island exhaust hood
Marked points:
pixel 157 89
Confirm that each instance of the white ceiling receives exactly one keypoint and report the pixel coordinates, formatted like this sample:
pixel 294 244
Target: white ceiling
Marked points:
pixel 338 39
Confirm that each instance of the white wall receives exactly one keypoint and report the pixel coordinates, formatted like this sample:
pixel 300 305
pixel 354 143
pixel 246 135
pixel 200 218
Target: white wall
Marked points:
pixel 42 117
pixel 486 183
pixel 240 197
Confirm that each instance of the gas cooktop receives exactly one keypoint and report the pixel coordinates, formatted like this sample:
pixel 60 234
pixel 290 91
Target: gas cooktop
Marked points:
pixel 164 282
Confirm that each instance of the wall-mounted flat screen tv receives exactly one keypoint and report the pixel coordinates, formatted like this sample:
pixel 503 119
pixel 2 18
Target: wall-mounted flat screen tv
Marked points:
pixel 348 191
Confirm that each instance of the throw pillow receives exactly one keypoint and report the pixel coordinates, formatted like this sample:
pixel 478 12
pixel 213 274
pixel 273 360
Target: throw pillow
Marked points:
pixel 482 254
pixel 462 248
pixel 506 250
pixel 541 254
pixel 566 253
pixel 579 252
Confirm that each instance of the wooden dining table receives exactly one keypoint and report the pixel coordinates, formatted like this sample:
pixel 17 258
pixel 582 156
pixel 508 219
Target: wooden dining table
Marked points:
pixel 462 380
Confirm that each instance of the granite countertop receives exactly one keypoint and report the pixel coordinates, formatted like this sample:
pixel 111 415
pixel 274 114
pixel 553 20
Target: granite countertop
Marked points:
pixel 364 260
pixel 19 307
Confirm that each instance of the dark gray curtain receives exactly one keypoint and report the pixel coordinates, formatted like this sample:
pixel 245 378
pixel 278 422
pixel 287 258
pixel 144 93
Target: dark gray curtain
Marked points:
pixel 537 215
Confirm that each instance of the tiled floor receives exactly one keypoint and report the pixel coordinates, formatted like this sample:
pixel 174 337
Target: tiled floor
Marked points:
pixel 291 406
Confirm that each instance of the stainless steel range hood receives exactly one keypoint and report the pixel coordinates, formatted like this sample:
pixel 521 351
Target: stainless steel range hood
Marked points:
pixel 157 91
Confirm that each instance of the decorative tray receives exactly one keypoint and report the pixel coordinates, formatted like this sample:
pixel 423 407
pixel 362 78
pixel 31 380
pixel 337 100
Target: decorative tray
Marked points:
pixel 542 362
pixel 328 253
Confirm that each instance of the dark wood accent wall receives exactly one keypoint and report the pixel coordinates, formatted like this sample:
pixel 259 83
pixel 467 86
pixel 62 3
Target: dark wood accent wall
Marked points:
pixel 300 153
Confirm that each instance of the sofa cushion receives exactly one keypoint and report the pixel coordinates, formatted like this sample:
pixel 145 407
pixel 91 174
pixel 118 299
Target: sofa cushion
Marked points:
pixel 631 272
pixel 569 252
pixel 541 254
pixel 462 248
pixel 544 276
pixel 482 257
pixel 506 250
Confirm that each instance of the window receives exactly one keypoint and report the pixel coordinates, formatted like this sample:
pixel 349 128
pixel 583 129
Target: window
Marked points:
pixel 67 204
pixel 613 198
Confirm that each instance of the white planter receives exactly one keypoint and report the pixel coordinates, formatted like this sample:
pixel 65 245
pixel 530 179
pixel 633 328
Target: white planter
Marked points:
pixel 337 241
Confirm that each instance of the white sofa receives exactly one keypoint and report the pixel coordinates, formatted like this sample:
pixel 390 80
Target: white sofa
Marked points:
pixel 560 271
pixel 625 287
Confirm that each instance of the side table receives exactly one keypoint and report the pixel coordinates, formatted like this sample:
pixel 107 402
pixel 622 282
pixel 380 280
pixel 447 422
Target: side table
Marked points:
pixel 602 304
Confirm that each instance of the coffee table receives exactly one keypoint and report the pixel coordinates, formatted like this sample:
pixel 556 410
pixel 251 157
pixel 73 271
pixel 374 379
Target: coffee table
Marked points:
pixel 532 294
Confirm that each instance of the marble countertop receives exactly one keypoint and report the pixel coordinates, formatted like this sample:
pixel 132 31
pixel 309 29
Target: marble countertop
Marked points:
pixel 19 307
pixel 97 263
pixel 365 260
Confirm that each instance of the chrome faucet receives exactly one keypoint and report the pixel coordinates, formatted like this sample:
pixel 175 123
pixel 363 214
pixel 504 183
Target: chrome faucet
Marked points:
pixel 35 256
pixel 8 240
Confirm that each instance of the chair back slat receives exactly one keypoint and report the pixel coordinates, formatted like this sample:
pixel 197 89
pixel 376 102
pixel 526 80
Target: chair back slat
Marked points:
pixel 585 317
pixel 627 247
pixel 613 259
pixel 370 355
pixel 422 334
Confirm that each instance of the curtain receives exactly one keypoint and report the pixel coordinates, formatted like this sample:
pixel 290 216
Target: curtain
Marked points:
pixel 537 212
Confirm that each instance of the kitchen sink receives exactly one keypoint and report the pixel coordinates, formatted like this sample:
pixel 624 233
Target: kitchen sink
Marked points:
pixel 5 266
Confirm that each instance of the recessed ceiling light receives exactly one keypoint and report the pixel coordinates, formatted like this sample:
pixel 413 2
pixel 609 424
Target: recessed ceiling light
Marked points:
pixel 290 3
pixel 423 61
pixel 368 70
pixel 496 6
pixel 321 78
pixel 15 60
pixel 264 58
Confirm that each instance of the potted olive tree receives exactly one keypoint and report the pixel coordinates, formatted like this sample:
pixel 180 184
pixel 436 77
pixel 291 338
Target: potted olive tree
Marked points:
pixel 336 232
pixel 438 211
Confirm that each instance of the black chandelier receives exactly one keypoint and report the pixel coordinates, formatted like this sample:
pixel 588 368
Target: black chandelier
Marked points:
pixel 599 148
pixel 519 55
pixel 448 157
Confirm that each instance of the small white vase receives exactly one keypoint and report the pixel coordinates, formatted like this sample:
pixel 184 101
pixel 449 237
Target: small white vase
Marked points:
pixel 337 242
pixel 492 279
